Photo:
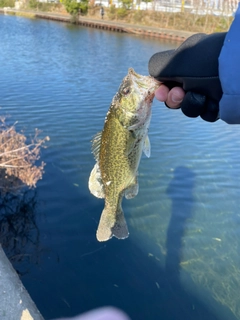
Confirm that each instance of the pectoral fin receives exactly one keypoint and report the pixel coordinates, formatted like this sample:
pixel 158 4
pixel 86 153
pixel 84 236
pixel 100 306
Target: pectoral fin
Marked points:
pixel 131 142
pixel 95 182
pixel 147 147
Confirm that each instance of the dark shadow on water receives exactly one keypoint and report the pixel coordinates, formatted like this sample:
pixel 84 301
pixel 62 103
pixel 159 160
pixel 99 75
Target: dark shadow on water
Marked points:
pixel 180 191
pixel 19 233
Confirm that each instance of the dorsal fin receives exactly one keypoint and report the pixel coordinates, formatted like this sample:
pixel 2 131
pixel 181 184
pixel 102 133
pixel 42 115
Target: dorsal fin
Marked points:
pixel 96 143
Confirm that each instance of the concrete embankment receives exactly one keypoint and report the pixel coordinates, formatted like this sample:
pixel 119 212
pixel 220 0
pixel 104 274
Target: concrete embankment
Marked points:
pixel 15 302
pixel 161 33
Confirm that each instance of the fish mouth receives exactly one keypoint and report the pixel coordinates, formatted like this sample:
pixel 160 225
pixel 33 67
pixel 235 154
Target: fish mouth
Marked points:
pixel 145 82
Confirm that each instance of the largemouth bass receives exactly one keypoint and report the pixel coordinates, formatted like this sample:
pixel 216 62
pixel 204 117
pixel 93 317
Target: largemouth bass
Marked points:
pixel 118 149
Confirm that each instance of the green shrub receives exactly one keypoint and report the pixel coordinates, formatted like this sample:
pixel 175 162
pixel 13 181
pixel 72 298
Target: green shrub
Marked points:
pixel 112 9
pixel 112 12
pixel 7 3
pixel 73 7
pixel 122 13
pixel 33 4
pixel 127 4
pixel 84 7
pixel 42 6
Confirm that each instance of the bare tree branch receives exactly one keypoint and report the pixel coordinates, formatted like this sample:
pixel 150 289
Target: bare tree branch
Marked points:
pixel 18 157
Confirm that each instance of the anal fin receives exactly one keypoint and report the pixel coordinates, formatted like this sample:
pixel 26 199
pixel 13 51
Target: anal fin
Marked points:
pixel 132 191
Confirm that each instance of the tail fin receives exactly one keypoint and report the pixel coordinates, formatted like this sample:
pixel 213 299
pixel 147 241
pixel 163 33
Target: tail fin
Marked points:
pixel 112 224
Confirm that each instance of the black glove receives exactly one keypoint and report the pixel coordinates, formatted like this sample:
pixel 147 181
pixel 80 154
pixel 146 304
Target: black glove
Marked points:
pixel 194 67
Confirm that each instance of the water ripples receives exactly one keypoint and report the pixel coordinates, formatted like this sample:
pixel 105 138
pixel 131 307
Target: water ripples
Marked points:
pixel 61 79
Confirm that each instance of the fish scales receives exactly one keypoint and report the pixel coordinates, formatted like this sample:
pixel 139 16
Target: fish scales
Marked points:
pixel 114 162
pixel 118 151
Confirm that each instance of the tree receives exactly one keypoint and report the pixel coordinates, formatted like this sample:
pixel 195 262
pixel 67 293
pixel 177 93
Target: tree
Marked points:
pixel 127 4
pixel 74 7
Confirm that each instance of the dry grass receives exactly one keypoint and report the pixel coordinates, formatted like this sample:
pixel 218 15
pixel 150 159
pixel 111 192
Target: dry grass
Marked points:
pixel 184 21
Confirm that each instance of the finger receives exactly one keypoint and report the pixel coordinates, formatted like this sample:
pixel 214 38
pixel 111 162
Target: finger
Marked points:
pixel 161 93
pixel 175 97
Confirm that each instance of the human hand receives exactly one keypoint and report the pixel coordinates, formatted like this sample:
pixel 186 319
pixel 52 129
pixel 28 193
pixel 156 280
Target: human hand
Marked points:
pixel 194 68
pixel 172 98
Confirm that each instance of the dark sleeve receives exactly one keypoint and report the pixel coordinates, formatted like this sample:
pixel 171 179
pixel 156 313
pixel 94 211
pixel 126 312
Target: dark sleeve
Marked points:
pixel 229 73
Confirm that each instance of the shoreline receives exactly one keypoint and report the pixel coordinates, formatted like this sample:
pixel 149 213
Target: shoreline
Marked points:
pixel 15 302
pixel 140 30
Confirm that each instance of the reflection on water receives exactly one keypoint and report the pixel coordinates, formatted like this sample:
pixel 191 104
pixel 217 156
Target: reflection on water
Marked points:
pixel 19 233
pixel 182 259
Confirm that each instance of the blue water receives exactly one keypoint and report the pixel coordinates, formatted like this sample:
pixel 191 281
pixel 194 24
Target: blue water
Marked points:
pixel 181 260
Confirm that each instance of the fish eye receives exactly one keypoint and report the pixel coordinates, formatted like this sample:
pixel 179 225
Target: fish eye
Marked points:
pixel 125 91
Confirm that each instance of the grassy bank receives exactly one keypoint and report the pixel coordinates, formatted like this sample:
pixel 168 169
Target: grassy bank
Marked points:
pixel 29 15
pixel 184 21
pixel 177 21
